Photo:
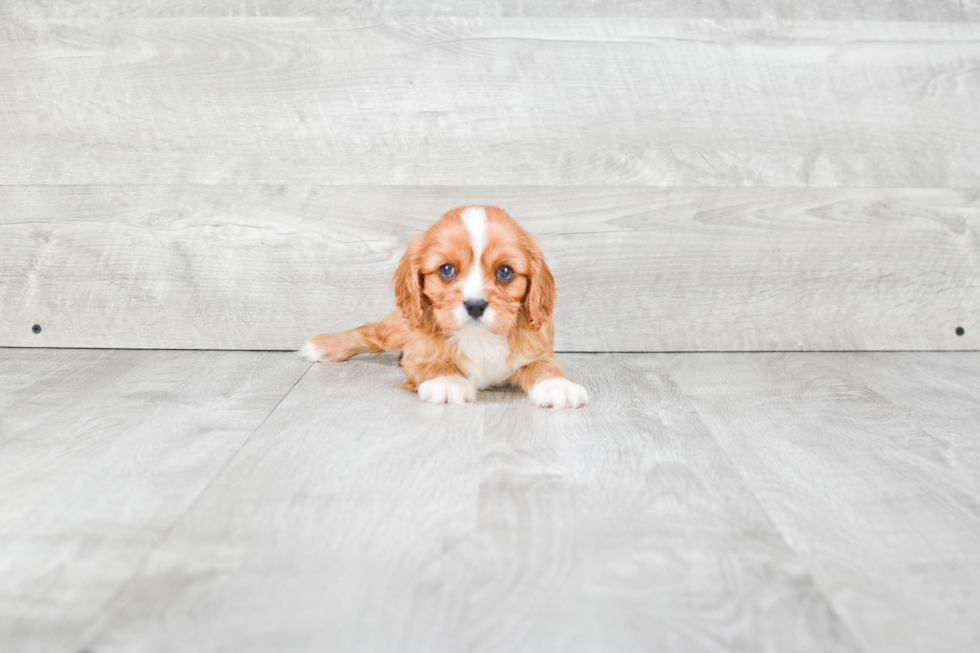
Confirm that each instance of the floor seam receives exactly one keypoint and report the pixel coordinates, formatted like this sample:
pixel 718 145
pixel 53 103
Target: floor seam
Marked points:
pixel 106 611
pixel 844 625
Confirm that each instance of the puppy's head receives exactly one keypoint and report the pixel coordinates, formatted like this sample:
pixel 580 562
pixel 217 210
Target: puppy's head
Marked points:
pixel 475 268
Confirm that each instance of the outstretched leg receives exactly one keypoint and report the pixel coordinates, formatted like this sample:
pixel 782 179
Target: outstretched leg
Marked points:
pixel 390 334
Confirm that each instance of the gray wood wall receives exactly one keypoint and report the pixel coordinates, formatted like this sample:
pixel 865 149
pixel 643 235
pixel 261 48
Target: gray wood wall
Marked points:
pixel 241 175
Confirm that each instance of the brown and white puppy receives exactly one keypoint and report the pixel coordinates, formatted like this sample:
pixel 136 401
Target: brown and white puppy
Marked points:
pixel 475 299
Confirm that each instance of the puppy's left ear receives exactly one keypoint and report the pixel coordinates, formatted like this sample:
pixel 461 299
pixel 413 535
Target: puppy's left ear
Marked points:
pixel 541 291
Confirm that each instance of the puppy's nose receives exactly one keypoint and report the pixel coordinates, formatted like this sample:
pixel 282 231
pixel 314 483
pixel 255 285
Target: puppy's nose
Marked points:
pixel 475 307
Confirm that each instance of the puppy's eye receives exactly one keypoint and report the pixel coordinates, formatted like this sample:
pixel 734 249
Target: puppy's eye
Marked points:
pixel 504 273
pixel 447 271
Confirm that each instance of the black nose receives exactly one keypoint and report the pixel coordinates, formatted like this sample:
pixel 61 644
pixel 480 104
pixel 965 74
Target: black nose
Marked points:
pixel 475 307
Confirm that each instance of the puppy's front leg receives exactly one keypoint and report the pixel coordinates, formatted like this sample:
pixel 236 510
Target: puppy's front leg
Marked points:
pixel 448 389
pixel 547 385
pixel 438 382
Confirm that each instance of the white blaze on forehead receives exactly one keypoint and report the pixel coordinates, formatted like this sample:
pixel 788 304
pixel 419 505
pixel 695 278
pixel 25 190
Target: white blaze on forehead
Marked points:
pixel 475 219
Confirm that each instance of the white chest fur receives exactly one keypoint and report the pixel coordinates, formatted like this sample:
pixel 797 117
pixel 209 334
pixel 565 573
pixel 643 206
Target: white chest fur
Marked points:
pixel 484 356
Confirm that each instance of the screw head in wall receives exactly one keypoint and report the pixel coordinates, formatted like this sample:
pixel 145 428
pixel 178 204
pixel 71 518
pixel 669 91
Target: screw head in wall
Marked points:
pixel 960 331
pixel 36 328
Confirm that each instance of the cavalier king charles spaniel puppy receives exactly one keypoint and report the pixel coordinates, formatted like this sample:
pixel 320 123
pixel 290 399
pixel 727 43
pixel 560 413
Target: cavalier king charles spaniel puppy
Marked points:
pixel 474 299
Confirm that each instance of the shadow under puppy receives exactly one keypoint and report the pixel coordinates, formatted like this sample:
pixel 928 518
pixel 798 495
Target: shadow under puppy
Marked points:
pixel 475 299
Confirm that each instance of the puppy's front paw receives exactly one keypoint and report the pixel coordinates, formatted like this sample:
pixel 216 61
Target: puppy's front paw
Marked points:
pixel 558 393
pixel 447 390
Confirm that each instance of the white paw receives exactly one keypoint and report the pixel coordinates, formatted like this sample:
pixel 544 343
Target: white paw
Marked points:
pixel 558 393
pixel 447 390
pixel 310 352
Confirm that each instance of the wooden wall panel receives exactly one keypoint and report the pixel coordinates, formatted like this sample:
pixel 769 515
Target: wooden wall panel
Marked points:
pixel 203 181
pixel 640 269
pixel 490 101
pixel 906 10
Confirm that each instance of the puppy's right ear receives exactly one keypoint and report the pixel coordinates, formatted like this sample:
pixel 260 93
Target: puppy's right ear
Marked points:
pixel 407 284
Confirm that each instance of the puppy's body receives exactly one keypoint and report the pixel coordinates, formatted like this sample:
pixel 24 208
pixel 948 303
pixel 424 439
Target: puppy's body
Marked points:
pixel 475 299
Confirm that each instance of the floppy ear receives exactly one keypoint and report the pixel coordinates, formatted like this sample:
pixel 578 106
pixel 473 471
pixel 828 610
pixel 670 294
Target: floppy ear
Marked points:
pixel 541 291
pixel 407 283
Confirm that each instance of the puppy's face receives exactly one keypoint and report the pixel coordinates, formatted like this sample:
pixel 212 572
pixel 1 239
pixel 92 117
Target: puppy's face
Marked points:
pixel 475 268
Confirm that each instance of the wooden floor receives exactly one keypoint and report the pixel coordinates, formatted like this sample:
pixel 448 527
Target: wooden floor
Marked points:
pixel 250 501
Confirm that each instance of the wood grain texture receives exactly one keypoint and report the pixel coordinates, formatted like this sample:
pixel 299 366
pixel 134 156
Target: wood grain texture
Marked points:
pixel 878 491
pixel 891 10
pixel 359 519
pixel 701 502
pixel 100 454
pixel 489 101
pixel 260 267
pixel 907 10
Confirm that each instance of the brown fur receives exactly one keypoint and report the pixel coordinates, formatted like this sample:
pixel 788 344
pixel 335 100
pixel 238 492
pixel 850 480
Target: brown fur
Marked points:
pixel 390 334
pixel 424 320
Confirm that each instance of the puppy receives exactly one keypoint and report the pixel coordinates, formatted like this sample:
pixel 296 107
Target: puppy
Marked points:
pixel 475 299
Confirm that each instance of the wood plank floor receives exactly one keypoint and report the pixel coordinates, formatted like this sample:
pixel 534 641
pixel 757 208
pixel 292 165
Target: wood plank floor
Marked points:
pixel 250 501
